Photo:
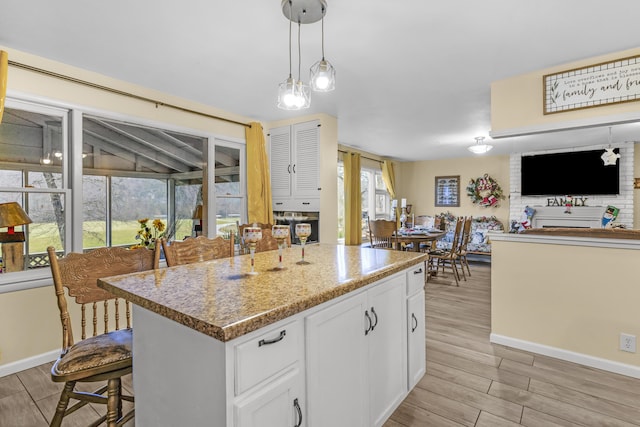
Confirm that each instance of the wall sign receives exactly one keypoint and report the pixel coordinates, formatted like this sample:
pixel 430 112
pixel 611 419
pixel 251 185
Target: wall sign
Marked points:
pixel 448 190
pixel 593 86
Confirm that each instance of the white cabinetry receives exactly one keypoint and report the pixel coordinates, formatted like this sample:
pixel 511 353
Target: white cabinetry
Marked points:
pixel 415 325
pixel 295 167
pixel 357 352
pixel 347 362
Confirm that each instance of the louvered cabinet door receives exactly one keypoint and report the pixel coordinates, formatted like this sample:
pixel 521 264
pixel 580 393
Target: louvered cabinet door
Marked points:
pixel 280 161
pixel 306 160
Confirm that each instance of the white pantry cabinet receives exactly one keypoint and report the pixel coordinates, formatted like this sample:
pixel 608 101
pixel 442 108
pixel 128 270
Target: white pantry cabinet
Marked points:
pixel 295 166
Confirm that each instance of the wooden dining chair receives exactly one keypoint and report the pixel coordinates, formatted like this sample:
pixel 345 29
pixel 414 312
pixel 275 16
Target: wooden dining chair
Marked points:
pixel 102 356
pixel 196 249
pixel 441 257
pixel 461 254
pixel 241 227
pixel 383 234
pixel 267 243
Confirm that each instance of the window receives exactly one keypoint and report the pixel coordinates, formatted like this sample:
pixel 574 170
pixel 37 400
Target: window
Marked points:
pixel 32 173
pixel 127 171
pixel 375 199
pixel 229 188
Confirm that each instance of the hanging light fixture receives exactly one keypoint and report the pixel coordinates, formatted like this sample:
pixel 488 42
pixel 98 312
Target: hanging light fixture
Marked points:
pixel 287 98
pixel 295 94
pixel 303 93
pixel 609 158
pixel 480 147
pixel 323 75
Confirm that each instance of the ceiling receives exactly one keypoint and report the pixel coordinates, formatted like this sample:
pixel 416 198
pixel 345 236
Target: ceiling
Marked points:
pixel 413 76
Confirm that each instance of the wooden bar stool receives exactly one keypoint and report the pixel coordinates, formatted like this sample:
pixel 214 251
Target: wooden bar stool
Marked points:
pixel 105 356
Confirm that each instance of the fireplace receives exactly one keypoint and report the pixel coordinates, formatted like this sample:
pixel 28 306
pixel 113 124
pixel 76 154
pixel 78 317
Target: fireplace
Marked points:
pixel 580 217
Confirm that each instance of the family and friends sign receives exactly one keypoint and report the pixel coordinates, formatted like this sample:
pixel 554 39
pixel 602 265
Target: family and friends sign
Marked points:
pixel 593 86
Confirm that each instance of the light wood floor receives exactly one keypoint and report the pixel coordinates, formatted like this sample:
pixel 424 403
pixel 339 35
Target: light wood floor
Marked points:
pixel 469 382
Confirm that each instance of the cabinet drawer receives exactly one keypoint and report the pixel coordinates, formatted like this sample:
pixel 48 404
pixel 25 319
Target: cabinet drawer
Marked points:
pixel 267 354
pixel 415 278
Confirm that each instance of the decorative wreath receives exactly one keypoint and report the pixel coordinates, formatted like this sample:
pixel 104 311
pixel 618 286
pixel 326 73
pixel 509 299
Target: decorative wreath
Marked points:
pixel 485 191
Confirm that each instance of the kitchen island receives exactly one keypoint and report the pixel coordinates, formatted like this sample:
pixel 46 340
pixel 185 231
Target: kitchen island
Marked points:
pixel 339 341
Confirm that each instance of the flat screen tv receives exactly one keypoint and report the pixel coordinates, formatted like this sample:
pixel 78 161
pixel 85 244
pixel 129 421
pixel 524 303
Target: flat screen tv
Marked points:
pixel 569 174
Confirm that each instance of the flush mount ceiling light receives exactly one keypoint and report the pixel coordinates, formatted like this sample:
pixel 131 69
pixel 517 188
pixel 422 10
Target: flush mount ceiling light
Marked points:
pixel 609 158
pixel 479 147
pixel 295 94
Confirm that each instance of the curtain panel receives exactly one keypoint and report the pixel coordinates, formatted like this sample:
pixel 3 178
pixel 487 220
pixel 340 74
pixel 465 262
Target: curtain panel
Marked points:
pixel 353 199
pixel 258 177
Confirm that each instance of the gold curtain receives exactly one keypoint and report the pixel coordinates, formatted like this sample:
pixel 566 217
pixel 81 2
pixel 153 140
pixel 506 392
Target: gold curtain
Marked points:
pixel 4 70
pixel 352 200
pixel 258 176
pixel 389 178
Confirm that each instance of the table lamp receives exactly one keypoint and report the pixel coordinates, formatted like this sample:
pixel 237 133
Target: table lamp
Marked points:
pixel 197 221
pixel 12 215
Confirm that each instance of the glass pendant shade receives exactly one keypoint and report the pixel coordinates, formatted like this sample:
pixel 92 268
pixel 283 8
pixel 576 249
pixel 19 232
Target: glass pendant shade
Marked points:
pixel 303 95
pixel 479 147
pixel 293 95
pixel 287 97
pixel 323 76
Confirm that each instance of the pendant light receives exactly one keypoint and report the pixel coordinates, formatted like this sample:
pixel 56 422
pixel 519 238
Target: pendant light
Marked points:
pixel 323 75
pixel 479 147
pixel 295 94
pixel 303 93
pixel 287 97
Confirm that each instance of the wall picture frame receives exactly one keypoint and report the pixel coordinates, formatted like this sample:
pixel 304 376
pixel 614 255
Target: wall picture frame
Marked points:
pixel 447 191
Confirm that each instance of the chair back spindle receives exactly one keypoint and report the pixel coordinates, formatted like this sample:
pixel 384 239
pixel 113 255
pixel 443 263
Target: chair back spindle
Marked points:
pixel 78 273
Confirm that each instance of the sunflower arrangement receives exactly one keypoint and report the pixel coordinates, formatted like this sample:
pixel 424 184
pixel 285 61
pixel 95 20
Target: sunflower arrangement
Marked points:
pixel 149 234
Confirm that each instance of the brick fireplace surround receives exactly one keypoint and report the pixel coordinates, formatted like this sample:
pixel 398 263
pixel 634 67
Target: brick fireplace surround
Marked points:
pixel 581 216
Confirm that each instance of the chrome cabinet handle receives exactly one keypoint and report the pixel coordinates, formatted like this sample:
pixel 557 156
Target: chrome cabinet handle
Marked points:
pixel 289 168
pixel 413 318
pixel 297 406
pixel 376 315
pixel 273 341
pixel 294 168
pixel 369 322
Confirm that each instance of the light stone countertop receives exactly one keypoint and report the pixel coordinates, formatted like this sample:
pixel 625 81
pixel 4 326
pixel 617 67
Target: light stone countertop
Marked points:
pixel 220 299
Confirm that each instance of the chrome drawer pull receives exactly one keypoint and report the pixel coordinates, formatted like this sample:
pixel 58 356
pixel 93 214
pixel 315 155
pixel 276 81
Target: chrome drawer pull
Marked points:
pixel 273 341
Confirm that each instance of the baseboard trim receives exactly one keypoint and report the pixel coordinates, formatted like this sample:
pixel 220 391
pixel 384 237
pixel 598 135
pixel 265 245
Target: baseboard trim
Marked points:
pixel 569 356
pixel 29 362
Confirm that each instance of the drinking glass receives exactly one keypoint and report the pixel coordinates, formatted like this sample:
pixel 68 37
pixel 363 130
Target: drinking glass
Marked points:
pixel 280 233
pixel 251 236
pixel 303 231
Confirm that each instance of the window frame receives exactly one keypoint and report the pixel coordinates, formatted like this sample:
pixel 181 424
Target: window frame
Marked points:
pixel 72 174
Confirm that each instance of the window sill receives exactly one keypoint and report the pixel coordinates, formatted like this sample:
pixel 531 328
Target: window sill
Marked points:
pixel 23 280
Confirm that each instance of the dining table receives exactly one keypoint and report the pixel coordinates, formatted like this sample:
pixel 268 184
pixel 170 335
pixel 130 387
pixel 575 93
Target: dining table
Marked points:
pixel 417 237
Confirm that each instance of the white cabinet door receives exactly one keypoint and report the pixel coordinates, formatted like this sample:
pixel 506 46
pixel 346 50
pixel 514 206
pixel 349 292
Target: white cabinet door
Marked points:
pixel 306 159
pixel 416 338
pixel 337 389
pixel 276 405
pixel 280 161
pixel 295 165
pixel 387 342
